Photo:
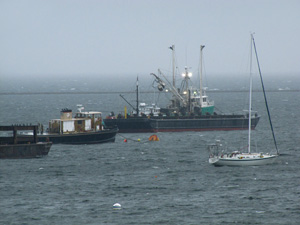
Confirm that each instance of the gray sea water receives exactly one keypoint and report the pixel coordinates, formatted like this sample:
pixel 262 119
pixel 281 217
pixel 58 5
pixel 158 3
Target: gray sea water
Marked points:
pixel 164 182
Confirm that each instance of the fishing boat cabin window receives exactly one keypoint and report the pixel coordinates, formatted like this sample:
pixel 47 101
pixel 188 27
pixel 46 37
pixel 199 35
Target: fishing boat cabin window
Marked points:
pixel 79 115
pixel 97 115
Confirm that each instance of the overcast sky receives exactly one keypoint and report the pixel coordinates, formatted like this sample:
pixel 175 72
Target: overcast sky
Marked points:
pixel 92 37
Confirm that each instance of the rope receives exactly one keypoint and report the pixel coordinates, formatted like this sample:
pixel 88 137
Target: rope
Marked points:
pixel 133 139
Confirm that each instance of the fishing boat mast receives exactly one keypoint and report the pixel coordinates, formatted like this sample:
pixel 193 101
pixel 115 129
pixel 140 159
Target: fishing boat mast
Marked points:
pixel 137 96
pixel 173 63
pixel 173 73
pixel 184 90
pixel 200 75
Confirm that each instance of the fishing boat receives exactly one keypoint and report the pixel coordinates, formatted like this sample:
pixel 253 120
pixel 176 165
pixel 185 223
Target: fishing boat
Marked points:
pixel 135 122
pixel 145 109
pixel 187 99
pixel 85 127
pixel 237 158
pixel 13 148
pixel 190 109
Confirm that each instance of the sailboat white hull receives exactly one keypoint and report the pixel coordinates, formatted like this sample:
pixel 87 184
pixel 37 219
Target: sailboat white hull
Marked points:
pixel 254 159
pixel 237 158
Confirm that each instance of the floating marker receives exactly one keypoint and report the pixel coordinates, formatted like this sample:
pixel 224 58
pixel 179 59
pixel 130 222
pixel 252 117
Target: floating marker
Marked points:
pixel 139 139
pixel 117 206
pixel 125 140
pixel 153 138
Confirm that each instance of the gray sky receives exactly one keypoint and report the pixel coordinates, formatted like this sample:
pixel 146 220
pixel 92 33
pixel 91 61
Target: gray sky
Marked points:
pixel 92 37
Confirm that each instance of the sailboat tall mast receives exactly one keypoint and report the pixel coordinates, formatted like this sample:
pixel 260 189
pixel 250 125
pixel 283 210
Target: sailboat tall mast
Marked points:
pixel 250 99
pixel 200 78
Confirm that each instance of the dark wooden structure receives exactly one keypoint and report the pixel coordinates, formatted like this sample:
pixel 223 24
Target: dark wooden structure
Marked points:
pixel 15 128
pixel 11 147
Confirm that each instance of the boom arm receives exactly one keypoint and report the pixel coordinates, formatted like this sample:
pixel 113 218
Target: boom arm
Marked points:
pixel 172 88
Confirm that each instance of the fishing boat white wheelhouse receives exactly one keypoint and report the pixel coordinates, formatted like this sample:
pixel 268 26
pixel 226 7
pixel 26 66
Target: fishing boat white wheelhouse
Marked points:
pixel 147 110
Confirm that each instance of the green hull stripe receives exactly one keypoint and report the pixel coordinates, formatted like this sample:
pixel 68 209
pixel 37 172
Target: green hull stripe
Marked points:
pixel 209 109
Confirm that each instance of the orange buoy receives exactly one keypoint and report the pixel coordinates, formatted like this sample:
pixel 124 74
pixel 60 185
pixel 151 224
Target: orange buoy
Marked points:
pixel 153 138
pixel 125 140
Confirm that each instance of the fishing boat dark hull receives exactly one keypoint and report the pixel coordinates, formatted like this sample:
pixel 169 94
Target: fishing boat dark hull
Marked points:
pixel 131 124
pixel 172 124
pixel 204 123
pixel 96 137
pixel 30 150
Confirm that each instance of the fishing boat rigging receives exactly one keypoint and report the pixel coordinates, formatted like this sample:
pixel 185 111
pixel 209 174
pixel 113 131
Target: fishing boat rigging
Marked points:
pixel 186 99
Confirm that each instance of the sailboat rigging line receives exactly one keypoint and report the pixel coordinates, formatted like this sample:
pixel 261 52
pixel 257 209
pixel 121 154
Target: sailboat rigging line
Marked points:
pixel 263 87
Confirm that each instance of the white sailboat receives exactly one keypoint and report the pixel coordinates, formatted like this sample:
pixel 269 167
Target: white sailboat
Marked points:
pixel 219 158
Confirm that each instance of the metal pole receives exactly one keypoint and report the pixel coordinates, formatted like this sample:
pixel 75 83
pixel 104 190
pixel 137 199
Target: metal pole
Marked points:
pixel 173 63
pixel 137 96
pixel 200 78
pixel 250 99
